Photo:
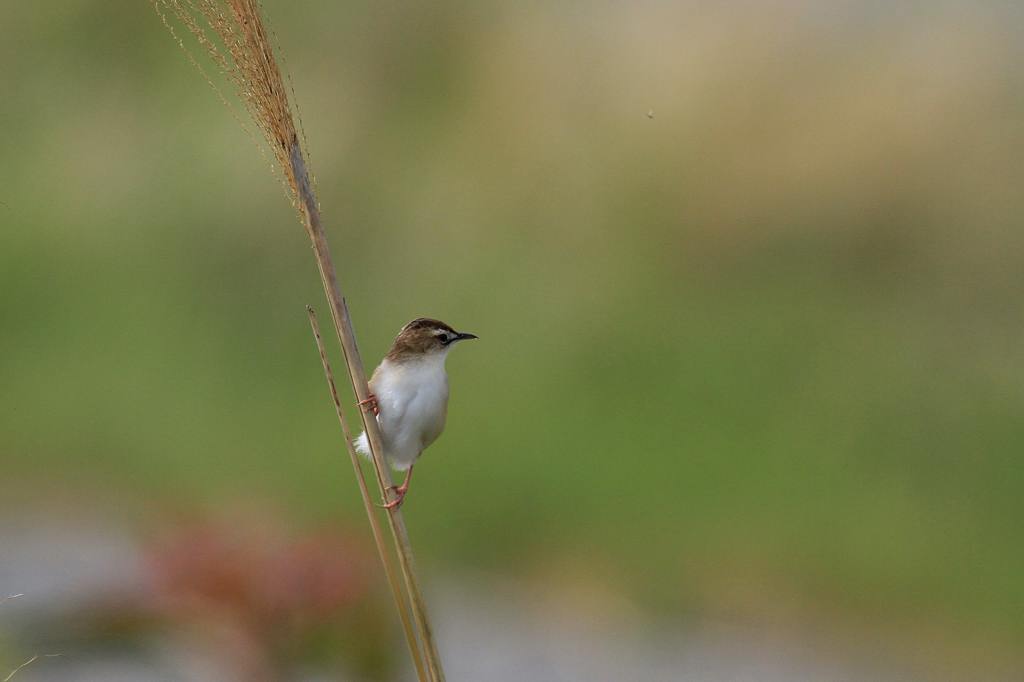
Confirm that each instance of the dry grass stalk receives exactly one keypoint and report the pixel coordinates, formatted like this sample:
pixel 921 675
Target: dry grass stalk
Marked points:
pixel 245 55
pixel 26 664
pixel 378 535
pixel 21 667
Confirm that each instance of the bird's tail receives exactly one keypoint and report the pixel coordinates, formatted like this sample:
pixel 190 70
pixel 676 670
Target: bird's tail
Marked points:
pixel 363 446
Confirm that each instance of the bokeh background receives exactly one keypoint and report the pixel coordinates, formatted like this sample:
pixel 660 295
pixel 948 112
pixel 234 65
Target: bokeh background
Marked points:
pixel 748 401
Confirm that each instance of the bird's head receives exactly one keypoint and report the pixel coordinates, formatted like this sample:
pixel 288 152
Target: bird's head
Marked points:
pixel 424 336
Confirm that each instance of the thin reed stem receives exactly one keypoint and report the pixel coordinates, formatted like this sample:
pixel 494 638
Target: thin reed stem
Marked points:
pixel 246 57
pixel 368 504
pixel 357 376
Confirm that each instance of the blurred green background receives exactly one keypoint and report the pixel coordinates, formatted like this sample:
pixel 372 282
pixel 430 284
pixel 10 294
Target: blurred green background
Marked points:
pixel 747 279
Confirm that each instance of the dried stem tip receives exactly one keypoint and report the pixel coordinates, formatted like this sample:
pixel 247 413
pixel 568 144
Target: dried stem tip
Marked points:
pixel 233 33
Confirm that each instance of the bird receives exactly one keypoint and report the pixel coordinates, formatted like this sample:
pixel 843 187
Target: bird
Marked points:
pixel 409 395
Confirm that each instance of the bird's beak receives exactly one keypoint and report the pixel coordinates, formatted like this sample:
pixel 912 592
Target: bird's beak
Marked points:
pixel 462 336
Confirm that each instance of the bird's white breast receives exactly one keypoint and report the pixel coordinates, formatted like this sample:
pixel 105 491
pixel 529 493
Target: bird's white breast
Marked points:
pixel 413 401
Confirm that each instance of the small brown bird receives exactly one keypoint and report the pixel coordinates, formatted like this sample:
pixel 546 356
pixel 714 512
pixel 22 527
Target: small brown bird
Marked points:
pixel 410 395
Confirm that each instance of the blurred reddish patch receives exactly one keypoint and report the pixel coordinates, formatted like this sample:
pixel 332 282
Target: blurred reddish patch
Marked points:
pixel 257 597
pixel 258 573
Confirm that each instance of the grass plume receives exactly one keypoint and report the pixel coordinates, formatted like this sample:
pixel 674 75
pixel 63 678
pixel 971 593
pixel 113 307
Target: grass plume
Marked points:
pixel 234 35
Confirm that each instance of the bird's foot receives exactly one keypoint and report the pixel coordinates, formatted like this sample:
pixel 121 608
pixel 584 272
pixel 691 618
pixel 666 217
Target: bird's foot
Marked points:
pixel 371 402
pixel 400 492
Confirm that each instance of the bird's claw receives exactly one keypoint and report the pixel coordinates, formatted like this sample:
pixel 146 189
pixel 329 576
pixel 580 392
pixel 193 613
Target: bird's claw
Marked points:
pixel 397 502
pixel 371 402
pixel 400 491
pixel 393 504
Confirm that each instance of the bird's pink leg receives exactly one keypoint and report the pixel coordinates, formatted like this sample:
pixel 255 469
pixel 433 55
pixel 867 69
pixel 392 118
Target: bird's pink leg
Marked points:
pixel 400 491
pixel 371 402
